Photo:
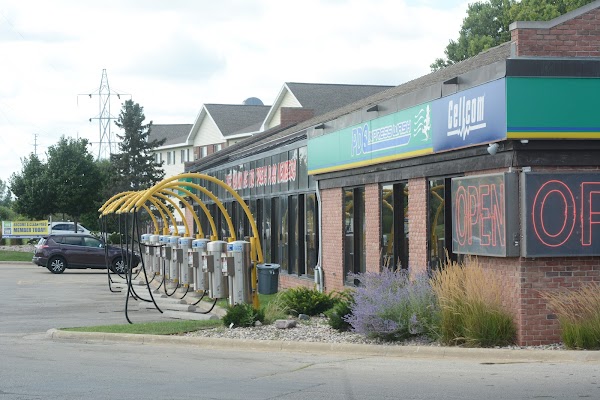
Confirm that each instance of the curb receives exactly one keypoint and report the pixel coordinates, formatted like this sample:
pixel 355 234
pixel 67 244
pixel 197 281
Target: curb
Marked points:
pixel 429 352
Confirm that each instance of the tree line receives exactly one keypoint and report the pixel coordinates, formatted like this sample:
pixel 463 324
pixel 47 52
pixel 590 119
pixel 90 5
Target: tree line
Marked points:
pixel 72 183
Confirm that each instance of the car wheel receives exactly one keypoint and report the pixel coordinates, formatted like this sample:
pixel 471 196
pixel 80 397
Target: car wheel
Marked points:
pixel 57 265
pixel 118 266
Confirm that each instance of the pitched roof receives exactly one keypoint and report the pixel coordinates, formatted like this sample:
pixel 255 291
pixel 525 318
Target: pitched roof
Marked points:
pixel 323 98
pixel 173 133
pixel 277 135
pixel 233 118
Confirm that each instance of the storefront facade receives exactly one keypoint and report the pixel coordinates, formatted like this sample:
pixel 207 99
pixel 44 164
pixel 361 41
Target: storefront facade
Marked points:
pixel 282 198
pixel 497 157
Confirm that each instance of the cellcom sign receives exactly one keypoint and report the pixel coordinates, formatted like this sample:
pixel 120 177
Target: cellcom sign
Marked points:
pixel 470 117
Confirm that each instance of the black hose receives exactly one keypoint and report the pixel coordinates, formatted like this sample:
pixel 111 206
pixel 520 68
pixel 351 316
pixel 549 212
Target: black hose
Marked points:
pixel 103 224
pixel 211 308
pixel 200 299
pixel 187 289
pixel 173 292
pixel 135 223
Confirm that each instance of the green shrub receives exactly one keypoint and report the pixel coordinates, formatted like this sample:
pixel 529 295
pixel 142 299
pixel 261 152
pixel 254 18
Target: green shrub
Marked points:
pixel 301 300
pixel 470 306
pixel 336 316
pixel 115 238
pixel 242 315
pixel 578 313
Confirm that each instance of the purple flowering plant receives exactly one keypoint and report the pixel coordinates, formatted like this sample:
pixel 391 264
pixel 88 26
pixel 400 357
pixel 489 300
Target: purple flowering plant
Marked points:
pixel 392 305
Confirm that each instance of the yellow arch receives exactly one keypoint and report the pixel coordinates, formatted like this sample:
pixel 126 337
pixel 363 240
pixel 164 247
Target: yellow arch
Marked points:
pixel 188 232
pixel 211 221
pixel 175 184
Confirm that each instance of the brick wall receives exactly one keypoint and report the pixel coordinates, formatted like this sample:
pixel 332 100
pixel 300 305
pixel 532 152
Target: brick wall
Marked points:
pixel 537 323
pixel 291 281
pixel 373 220
pixel 332 229
pixel 576 37
pixel 417 225
pixel 291 115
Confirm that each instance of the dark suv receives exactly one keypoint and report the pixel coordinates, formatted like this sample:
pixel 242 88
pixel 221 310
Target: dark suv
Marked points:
pixel 59 252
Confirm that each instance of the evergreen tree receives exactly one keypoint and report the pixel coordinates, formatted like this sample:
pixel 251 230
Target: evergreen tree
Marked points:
pixel 134 168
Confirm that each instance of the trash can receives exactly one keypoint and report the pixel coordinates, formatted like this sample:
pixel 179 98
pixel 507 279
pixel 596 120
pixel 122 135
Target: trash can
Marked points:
pixel 268 278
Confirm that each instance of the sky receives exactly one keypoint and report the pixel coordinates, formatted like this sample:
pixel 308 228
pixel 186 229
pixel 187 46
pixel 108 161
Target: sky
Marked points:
pixel 173 56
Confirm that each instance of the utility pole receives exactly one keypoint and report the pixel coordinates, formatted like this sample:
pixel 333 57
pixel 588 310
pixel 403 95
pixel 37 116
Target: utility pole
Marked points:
pixel 107 144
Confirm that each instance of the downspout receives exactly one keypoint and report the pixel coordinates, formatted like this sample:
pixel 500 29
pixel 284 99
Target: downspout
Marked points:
pixel 319 268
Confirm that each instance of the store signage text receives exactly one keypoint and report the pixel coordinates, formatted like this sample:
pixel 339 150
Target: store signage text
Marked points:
pixel 479 222
pixel 563 214
pixel 470 117
pixel 268 175
pixel 466 115
pixel 366 141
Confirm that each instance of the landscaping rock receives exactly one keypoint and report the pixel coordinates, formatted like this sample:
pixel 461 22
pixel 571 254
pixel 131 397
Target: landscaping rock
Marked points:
pixel 285 323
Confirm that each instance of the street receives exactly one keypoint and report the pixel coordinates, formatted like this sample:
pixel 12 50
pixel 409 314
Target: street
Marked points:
pixel 35 367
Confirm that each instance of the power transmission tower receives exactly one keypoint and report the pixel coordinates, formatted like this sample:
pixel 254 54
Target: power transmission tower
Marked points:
pixel 35 145
pixel 107 144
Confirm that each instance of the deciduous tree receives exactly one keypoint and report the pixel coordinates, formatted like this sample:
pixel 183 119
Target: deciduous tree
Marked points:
pixel 34 194
pixel 487 24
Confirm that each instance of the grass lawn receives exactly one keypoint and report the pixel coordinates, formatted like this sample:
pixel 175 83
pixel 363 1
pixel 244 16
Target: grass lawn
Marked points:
pixel 8 255
pixel 151 328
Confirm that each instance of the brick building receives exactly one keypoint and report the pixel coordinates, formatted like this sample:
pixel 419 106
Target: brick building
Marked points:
pixel 504 166
pixel 496 156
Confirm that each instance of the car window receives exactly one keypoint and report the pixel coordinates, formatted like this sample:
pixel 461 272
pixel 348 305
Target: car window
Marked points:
pixel 91 242
pixel 74 240
pixel 60 227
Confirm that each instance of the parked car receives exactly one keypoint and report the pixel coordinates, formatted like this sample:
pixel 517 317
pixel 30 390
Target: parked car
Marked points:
pixel 58 252
pixel 67 227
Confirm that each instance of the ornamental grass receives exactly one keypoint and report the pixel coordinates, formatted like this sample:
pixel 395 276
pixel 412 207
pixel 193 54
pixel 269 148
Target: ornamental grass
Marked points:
pixel 578 313
pixel 470 306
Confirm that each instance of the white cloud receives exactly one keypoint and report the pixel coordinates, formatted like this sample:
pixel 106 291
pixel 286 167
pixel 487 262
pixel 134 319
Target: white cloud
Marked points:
pixel 172 57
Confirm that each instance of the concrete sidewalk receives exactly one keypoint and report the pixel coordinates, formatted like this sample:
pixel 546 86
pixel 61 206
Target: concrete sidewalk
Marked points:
pixel 430 352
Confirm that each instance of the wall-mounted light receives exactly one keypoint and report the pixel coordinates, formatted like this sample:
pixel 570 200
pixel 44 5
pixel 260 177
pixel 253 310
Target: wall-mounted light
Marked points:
pixel 374 108
pixel 525 141
pixel 493 148
pixel 452 81
pixel 320 126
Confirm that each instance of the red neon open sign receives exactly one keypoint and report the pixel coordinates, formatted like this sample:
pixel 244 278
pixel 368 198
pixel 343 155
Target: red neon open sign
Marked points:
pixel 482 224
pixel 562 214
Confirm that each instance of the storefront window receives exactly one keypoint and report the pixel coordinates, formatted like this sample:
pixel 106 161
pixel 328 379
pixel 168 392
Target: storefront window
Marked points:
pixel 312 231
pixel 283 244
pixel 440 223
pixel 293 241
pixel 293 169
pixel 302 175
pixel 266 243
pixel 354 232
pixel 394 225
